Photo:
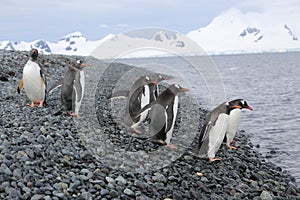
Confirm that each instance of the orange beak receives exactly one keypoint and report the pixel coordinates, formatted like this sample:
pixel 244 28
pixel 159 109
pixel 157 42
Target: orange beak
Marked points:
pixel 154 82
pixel 84 65
pixel 184 90
pixel 248 107
pixel 238 107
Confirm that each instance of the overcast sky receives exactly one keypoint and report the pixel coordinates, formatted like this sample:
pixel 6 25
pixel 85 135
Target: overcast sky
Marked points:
pixel 50 20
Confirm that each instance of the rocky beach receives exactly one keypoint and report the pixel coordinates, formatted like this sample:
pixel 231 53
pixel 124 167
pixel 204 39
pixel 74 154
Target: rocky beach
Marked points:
pixel 43 156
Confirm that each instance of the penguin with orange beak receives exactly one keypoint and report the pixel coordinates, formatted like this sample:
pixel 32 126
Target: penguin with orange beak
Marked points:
pixel 33 81
pixel 72 89
pixel 163 113
pixel 234 120
pixel 215 127
pixel 138 97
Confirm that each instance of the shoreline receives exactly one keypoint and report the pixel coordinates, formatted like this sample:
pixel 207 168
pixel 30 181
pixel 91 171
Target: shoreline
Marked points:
pixel 43 156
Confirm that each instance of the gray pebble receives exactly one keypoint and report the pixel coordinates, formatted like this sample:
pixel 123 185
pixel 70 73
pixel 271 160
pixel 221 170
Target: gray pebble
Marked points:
pixel 17 173
pixel 104 192
pixel 120 179
pixel 37 197
pixel 129 192
pixel 86 195
pixel 110 180
pixel 113 194
pixel 59 194
pixel 265 195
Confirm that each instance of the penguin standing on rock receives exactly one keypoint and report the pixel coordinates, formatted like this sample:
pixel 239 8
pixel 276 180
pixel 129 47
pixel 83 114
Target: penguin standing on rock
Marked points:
pixel 214 129
pixel 234 120
pixel 72 89
pixel 163 115
pixel 33 81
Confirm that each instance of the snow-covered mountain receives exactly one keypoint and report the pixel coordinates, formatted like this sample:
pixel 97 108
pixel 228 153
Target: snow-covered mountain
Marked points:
pixel 237 32
pixel 231 32
pixel 147 42
pixel 71 44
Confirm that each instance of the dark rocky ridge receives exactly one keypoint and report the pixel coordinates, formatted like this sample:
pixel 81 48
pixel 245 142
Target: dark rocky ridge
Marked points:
pixel 43 156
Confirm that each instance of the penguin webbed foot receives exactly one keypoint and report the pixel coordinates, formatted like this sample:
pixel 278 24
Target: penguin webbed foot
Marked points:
pixel 73 114
pixel 231 147
pixel 171 146
pixel 136 131
pixel 40 104
pixel 214 159
pixel 160 142
pixel 31 105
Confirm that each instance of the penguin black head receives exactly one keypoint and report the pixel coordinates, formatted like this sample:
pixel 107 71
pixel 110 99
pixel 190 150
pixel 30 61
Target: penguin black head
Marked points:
pixel 175 88
pixel 239 104
pixel 79 64
pixel 34 54
pixel 147 80
pixel 161 78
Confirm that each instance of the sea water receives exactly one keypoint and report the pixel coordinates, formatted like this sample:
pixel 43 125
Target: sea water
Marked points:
pixel 269 82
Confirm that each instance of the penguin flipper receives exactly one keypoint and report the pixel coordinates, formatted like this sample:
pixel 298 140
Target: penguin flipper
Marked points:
pixel 43 78
pixel 56 85
pixel 76 97
pixel 118 94
pixel 146 108
pixel 20 86
pixel 44 81
pixel 203 136
pixel 158 122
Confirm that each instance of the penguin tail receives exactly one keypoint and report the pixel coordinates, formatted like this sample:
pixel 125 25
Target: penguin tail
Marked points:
pixel 20 86
pixel 45 99
pixel 55 86
pixel 195 151
pixel 58 112
pixel 118 94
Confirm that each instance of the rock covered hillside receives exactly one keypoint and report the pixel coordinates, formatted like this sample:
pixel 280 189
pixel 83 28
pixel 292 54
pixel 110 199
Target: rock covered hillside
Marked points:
pixel 43 156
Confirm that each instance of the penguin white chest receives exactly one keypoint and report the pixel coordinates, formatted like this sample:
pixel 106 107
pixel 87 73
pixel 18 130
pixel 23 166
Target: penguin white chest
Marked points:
pixel 145 100
pixel 34 85
pixel 170 131
pixel 79 91
pixel 217 134
pixel 82 83
pixel 233 124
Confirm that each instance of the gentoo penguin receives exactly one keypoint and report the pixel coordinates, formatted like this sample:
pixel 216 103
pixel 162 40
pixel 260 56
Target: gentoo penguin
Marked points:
pixel 234 120
pixel 72 88
pixel 33 81
pixel 138 97
pixel 154 90
pixel 214 129
pixel 163 114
